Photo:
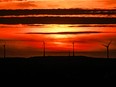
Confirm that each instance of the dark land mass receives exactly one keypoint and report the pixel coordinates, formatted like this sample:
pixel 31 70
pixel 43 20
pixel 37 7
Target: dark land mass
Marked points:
pixel 57 11
pixel 58 69
pixel 57 20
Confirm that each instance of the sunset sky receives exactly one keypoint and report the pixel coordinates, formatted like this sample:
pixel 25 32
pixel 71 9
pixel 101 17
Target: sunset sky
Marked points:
pixel 49 4
pixel 24 33
pixel 20 41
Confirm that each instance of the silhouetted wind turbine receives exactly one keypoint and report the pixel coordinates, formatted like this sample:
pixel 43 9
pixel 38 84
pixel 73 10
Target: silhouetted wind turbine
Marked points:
pixel 73 43
pixel 69 52
pixel 43 48
pixel 107 47
pixel 4 49
pixel 73 48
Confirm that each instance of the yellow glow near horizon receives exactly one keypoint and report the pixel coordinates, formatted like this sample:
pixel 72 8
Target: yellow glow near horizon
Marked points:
pixel 58 28
pixel 57 36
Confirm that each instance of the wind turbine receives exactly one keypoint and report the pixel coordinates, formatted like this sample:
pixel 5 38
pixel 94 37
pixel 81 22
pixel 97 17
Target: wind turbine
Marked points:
pixel 73 43
pixel 4 49
pixel 69 53
pixel 107 47
pixel 43 48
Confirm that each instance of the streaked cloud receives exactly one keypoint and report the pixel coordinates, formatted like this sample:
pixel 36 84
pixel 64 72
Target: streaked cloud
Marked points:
pixel 85 32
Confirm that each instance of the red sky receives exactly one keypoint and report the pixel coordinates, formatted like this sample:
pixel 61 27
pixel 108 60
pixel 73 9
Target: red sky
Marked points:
pixel 36 4
pixel 19 43
pixel 59 42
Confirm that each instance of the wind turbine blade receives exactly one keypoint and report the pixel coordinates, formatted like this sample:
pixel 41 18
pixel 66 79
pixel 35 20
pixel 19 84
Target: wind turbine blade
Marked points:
pixel 104 45
pixel 109 43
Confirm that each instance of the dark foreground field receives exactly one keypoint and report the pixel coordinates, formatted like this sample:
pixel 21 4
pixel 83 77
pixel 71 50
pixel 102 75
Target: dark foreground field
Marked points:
pixel 58 69
pixel 47 71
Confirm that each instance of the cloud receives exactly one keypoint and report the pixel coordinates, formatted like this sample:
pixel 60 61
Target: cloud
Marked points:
pixel 18 5
pixel 94 25
pixel 85 32
pixel 10 0
pixel 26 4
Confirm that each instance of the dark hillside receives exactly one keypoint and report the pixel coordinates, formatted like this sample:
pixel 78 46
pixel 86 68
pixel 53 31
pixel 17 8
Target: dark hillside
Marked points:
pixel 54 68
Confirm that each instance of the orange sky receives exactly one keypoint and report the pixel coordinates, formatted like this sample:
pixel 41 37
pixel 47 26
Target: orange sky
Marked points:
pixel 19 43
pixel 59 42
pixel 36 4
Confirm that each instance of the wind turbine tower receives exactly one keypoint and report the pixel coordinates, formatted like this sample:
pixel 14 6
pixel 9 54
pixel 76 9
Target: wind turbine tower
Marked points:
pixel 107 47
pixel 43 48
pixel 4 46
pixel 73 48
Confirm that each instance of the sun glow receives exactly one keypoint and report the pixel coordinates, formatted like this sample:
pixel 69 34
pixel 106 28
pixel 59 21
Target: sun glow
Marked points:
pixel 58 36
pixel 58 28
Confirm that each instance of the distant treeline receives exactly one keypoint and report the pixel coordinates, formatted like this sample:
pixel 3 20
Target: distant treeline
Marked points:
pixel 57 20
pixel 56 11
